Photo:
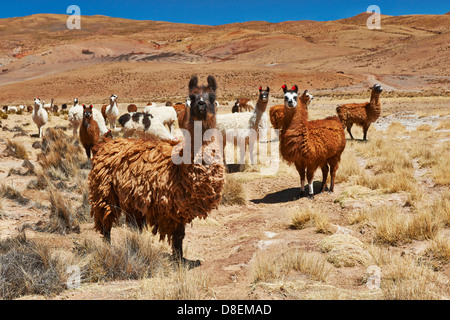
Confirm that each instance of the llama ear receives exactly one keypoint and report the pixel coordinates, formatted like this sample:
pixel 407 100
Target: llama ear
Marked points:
pixel 193 83
pixel 212 83
pixel 284 87
pixel 295 88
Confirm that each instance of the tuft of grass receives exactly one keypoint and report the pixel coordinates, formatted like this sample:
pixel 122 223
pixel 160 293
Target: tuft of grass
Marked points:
pixel 344 250
pixel 269 269
pixel 405 278
pixel 439 249
pixel 27 268
pixel 233 192
pixel 13 194
pixel 134 257
pixel 62 217
pixel 394 227
pixel 61 156
pixel 16 149
pixel 312 215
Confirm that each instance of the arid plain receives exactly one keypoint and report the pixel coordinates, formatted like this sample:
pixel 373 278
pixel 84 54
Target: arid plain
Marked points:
pixel 391 204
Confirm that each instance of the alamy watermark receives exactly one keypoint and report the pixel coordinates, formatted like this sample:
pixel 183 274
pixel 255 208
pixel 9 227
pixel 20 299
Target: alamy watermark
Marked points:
pixel 246 140
pixel 74 21
pixel 374 21
pixel 374 279
pixel 74 277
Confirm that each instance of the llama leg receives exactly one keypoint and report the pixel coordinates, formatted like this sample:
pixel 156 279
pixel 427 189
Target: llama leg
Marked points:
pixel 349 129
pixel 333 169
pixel 325 170
pixel 177 242
pixel 365 129
pixel 310 176
pixel 251 149
pixel 302 174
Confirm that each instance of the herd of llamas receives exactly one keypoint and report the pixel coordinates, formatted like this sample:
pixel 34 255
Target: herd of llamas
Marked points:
pixel 138 178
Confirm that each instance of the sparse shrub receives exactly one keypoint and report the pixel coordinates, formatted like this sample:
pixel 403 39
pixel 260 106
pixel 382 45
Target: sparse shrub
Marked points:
pixel 136 257
pixel 27 268
pixel 233 193
pixel 16 149
pixel 13 194
pixel 268 268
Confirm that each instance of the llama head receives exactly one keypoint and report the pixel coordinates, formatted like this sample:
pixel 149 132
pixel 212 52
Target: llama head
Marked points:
pixel 306 98
pixel 75 101
pixel 37 102
pixel 114 97
pixel 202 102
pixel 290 96
pixel 264 94
pixel 376 88
pixel 87 111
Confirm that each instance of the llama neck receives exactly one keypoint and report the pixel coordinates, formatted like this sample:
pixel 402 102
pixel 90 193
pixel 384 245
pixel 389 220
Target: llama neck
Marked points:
pixel 260 109
pixel 375 98
pixel 203 147
pixel 294 133
pixel 86 122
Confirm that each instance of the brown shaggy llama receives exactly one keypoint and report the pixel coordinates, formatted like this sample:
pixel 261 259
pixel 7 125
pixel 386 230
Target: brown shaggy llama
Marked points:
pixel 132 108
pixel 142 180
pixel 310 144
pixel 361 114
pixel 89 130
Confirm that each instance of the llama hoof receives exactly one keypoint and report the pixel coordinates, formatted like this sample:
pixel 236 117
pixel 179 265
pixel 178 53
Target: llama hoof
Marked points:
pixel 311 196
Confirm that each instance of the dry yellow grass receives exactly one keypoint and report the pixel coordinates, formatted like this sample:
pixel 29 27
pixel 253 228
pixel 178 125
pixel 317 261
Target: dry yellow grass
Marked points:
pixel 267 268
pixel 344 250
pixel 312 215
pixel 16 149
pixel 439 249
pixel 233 193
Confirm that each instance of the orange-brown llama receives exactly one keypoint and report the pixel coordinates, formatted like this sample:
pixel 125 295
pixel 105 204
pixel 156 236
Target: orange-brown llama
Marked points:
pixel 276 113
pixel 89 130
pixel 142 180
pixel 132 108
pixel 310 144
pixel 362 114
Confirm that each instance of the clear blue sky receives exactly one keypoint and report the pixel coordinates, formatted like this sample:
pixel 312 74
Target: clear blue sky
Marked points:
pixel 221 12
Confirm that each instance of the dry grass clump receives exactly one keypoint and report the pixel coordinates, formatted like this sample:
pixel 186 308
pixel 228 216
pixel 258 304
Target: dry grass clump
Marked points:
pixel 395 128
pixel 405 278
pixel 348 168
pixel 27 268
pixel 16 149
pixel 443 125
pixel 439 249
pixel 233 192
pixel 424 128
pixel 344 250
pixel 135 257
pixel 62 217
pixel 395 227
pixel 312 215
pixel 11 193
pixel 180 284
pixel 269 268
pixel 441 170
pixel 62 156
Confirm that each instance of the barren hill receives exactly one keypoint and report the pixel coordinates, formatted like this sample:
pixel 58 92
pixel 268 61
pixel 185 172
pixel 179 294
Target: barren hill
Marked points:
pixel 142 60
